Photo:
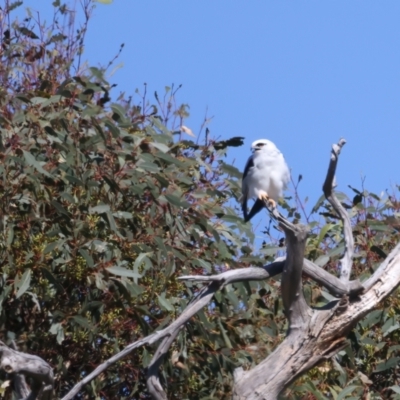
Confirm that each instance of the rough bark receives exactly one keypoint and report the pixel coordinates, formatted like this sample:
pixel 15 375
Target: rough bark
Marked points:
pixel 20 365
pixel 323 336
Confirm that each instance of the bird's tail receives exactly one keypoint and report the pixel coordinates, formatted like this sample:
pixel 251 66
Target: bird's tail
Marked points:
pixel 257 207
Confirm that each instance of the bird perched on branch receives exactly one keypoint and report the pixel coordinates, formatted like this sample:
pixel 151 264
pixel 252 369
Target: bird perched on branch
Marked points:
pixel 265 177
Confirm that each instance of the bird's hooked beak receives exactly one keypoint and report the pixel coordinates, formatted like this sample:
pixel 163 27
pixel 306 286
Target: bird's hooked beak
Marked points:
pixel 257 147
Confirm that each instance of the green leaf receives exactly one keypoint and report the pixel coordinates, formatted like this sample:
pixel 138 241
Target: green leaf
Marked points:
pixel 57 329
pixel 395 389
pixel 391 363
pixel 23 284
pixel 123 215
pixel 142 258
pixel 82 321
pixel 74 180
pixel 372 318
pixel 148 166
pixel 58 37
pixel 328 296
pixel 160 146
pixel 35 299
pixel 4 293
pixel 322 260
pixel 100 209
pixel 164 303
pixel 176 201
pixel 318 204
pixel 224 334
pixel 13 6
pixel 119 111
pixel 111 222
pixel 325 229
pixel 60 208
pixel 68 197
pixel 376 226
pixel 134 289
pixel 346 391
pixel 203 264
pixel 311 387
pixel 23 98
pixel 88 258
pixel 389 326
pixel 27 32
pixel 50 247
pixel 171 160
pixel 113 128
pixel 231 218
pixel 231 170
pixel 51 278
pixel 121 271
pixel 31 160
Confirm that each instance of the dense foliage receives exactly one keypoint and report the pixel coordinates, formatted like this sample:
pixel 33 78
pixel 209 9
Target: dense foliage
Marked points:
pixel 106 201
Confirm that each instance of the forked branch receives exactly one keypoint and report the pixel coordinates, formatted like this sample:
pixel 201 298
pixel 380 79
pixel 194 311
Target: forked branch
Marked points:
pixel 333 284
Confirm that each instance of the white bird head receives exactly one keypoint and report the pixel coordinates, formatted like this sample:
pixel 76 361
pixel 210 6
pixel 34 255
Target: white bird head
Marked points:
pixel 263 145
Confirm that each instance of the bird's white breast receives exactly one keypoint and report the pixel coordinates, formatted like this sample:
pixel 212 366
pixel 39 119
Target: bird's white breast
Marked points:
pixel 269 174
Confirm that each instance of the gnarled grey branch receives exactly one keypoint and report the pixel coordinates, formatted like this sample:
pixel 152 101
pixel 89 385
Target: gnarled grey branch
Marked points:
pixel 20 365
pixel 346 261
pixel 333 284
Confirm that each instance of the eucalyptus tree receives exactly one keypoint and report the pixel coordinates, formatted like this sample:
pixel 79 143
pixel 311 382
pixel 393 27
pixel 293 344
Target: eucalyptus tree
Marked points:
pixel 127 271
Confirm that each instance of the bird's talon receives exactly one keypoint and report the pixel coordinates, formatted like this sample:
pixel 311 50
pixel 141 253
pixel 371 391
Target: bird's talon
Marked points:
pixel 264 197
pixel 271 203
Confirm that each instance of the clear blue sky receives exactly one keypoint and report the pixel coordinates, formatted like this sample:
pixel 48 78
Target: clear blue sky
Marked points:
pixel 300 73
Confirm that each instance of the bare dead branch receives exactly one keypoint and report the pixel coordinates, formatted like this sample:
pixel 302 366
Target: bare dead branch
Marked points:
pixel 334 285
pixel 202 299
pixel 384 270
pixel 153 381
pixel 20 386
pixel 323 335
pixel 239 275
pixel 346 261
pixel 296 307
pixel 17 363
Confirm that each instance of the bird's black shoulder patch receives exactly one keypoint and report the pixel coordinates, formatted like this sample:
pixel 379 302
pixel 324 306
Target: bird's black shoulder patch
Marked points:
pixel 249 164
